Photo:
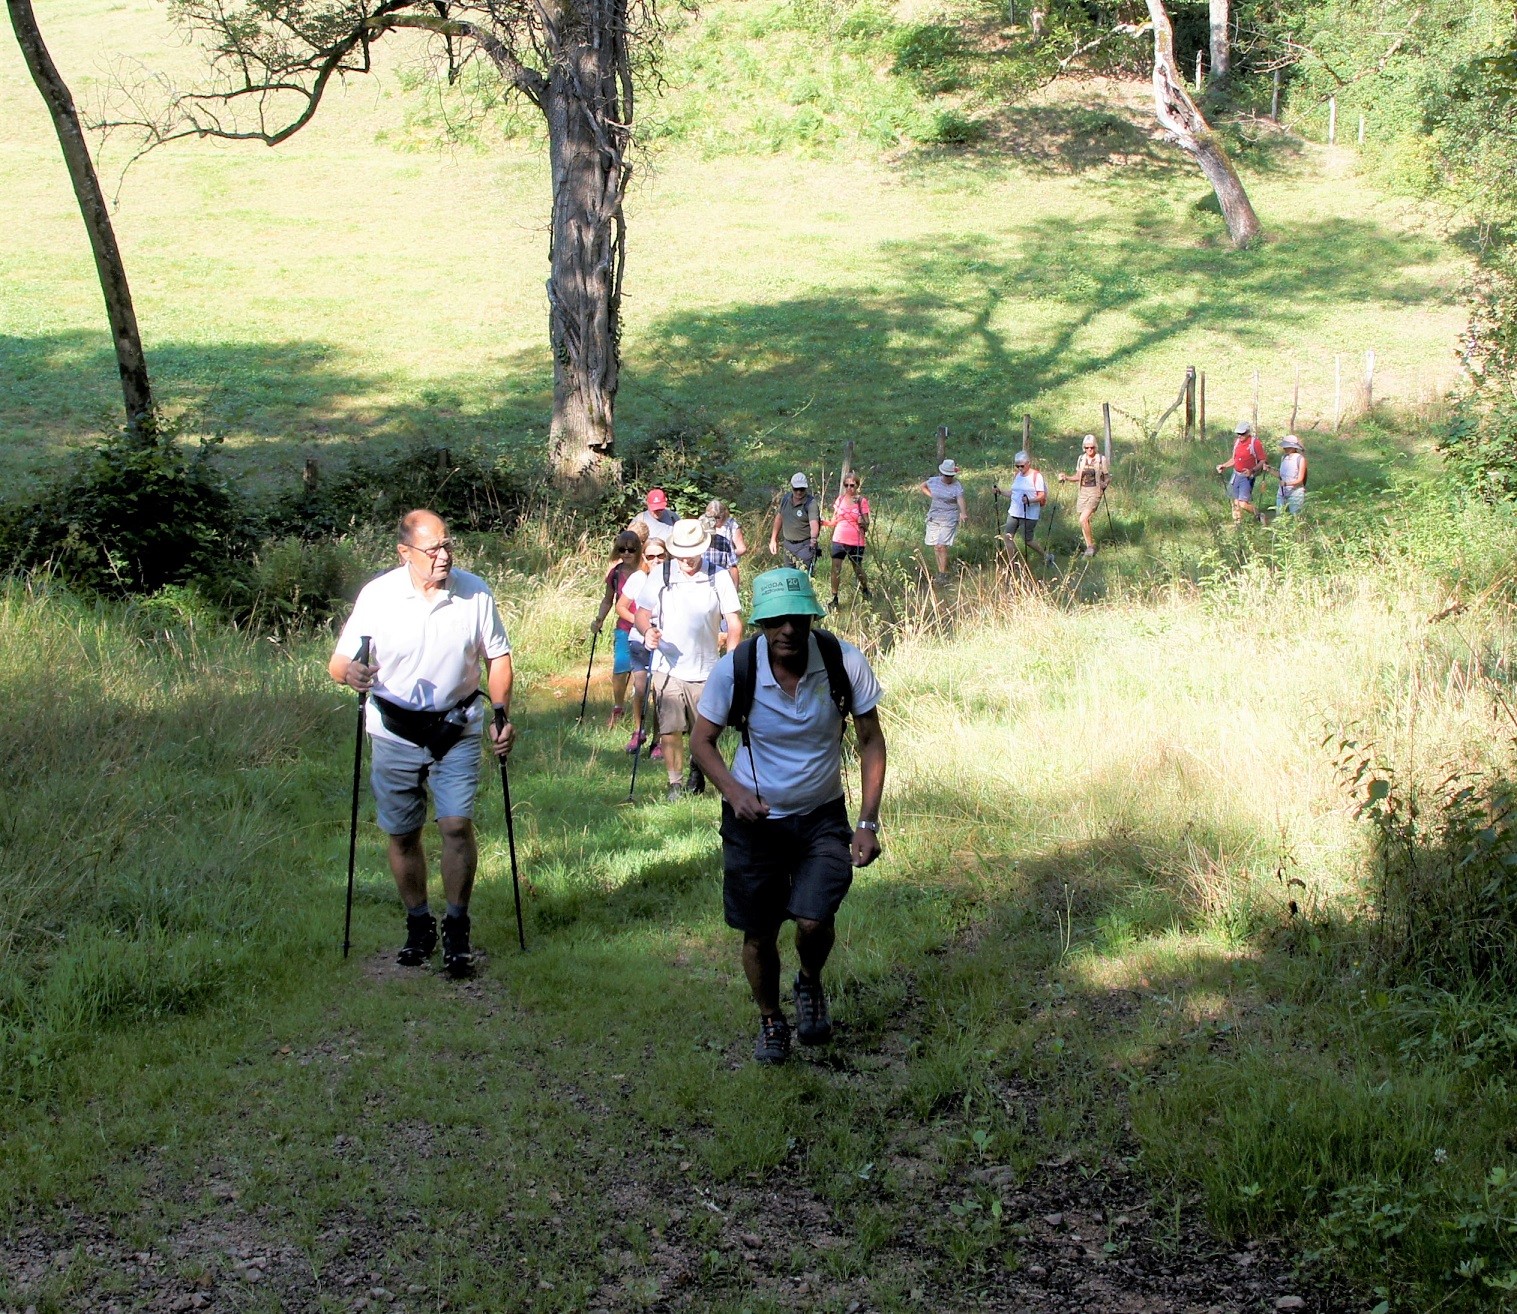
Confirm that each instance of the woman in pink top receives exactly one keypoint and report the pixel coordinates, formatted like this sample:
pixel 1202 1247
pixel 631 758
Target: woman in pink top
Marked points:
pixel 849 524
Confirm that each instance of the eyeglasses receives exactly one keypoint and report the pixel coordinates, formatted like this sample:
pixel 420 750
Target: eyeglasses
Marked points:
pixel 435 550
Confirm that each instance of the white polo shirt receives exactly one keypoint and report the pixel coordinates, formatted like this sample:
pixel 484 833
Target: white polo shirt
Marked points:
pixel 797 747
pixel 428 650
pixel 689 616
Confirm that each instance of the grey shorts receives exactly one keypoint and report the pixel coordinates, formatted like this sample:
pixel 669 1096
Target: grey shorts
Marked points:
pixel 940 535
pixel 400 774
pixel 1023 525
pixel 675 703
pixel 801 555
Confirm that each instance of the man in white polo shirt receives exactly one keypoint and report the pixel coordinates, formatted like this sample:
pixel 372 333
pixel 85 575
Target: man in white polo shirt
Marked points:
pixel 788 850
pixel 432 625
pixel 680 611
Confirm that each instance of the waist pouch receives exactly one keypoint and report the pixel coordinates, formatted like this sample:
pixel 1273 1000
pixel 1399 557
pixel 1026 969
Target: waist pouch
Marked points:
pixel 437 732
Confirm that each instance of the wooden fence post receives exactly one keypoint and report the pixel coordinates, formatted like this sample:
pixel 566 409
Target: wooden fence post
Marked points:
pixel 1332 120
pixel 1256 403
pixel 848 458
pixel 1190 402
pixel 1369 379
pixel 1201 406
pixel 1106 425
pixel 1274 99
pixel 1027 434
pixel 1295 398
pixel 942 442
pixel 1337 392
pixel 1198 70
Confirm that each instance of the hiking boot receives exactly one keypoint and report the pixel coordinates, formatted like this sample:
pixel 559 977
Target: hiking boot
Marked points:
pixel 656 754
pixel 637 741
pixel 813 1022
pixel 676 792
pixel 833 604
pixel 616 715
pixel 773 1043
pixel 457 957
pixel 1090 552
pixel 864 593
pixel 421 941
pixel 695 782
pixel 940 579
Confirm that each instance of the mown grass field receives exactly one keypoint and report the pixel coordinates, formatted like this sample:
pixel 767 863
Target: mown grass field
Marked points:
pixel 1114 1035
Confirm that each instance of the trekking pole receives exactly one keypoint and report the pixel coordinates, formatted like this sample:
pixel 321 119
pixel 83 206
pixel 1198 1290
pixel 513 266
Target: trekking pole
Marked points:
pixel 589 666
pixel 505 790
pixel 363 698
pixel 642 720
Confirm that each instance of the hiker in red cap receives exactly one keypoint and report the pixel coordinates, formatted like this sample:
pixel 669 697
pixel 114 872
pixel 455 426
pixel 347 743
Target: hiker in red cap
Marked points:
pixel 658 518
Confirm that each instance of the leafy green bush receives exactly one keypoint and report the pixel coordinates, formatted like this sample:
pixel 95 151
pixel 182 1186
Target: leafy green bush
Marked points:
pixel 1446 866
pixel 951 128
pixel 470 490
pixel 131 517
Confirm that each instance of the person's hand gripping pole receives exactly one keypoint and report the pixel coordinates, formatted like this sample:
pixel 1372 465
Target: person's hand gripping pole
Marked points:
pixel 361 660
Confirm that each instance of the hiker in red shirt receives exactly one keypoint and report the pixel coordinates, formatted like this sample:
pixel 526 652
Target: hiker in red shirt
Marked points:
pixel 1247 464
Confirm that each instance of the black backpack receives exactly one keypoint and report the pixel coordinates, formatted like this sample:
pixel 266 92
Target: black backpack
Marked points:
pixel 745 680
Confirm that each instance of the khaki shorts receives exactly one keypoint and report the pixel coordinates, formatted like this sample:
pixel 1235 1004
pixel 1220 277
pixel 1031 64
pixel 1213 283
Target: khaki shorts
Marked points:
pixel 675 703
pixel 1088 500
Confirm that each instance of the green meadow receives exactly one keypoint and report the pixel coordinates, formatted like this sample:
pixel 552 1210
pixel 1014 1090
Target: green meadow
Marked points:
pixel 1125 1021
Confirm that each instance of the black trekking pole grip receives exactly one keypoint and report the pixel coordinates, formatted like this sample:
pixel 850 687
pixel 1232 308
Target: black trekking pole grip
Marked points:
pixel 363 697
pixel 505 790
pixel 589 666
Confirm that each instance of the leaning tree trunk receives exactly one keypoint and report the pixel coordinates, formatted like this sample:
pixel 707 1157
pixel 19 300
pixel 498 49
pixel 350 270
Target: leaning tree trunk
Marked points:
pixel 1221 43
pixel 588 105
pixel 136 389
pixel 1179 117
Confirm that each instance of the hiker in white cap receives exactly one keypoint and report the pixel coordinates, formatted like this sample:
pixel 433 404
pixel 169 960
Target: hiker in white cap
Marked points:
pixel 1291 496
pixel 1092 475
pixel 945 509
pixel 1025 500
pixel 680 611
pixel 1247 464
pixel 798 524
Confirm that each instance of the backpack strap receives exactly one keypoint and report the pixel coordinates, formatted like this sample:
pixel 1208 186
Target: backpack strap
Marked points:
pixel 744 681
pixel 839 686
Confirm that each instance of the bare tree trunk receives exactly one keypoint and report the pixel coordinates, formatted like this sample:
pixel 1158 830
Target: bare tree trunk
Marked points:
pixel 1221 44
pixel 588 105
pixel 136 389
pixel 1179 117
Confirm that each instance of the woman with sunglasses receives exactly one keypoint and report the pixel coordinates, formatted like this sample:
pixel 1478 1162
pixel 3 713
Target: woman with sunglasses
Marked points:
pixel 1025 500
pixel 653 557
pixel 1092 476
pixel 626 559
pixel 849 524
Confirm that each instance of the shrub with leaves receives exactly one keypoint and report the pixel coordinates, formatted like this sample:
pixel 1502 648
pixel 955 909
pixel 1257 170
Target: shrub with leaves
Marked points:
pixel 131 517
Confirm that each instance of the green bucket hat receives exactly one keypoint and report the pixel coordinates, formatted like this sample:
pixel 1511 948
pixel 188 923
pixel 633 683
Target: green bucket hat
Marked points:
pixel 784 592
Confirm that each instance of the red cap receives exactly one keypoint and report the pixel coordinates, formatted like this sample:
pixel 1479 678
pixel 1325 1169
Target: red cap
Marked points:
pixel 656 499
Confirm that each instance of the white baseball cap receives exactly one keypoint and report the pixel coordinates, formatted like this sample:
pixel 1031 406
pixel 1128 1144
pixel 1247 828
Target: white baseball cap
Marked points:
pixel 798 480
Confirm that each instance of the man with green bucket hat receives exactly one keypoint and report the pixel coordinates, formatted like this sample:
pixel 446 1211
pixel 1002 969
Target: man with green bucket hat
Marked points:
pixel 788 847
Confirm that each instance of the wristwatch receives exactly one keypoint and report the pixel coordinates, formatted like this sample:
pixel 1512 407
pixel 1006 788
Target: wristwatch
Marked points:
pixel 872 826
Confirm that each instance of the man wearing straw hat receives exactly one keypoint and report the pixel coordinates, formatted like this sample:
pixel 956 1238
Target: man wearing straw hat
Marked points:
pixel 788 847
pixel 680 610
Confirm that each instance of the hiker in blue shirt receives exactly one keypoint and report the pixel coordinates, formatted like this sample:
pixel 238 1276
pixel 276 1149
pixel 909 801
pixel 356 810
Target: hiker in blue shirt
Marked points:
pixel 788 847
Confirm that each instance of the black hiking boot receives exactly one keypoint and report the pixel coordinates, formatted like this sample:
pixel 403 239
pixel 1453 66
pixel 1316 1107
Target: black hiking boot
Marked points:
pixel 773 1044
pixel 676 792
pixel 421 941
pixel 813 1021
pixel 695 782
pixel 457 957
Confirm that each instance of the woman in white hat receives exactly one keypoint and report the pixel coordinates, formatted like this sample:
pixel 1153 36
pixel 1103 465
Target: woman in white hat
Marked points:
pixel 1092 476
pixel 1291 496
pixel 945 497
